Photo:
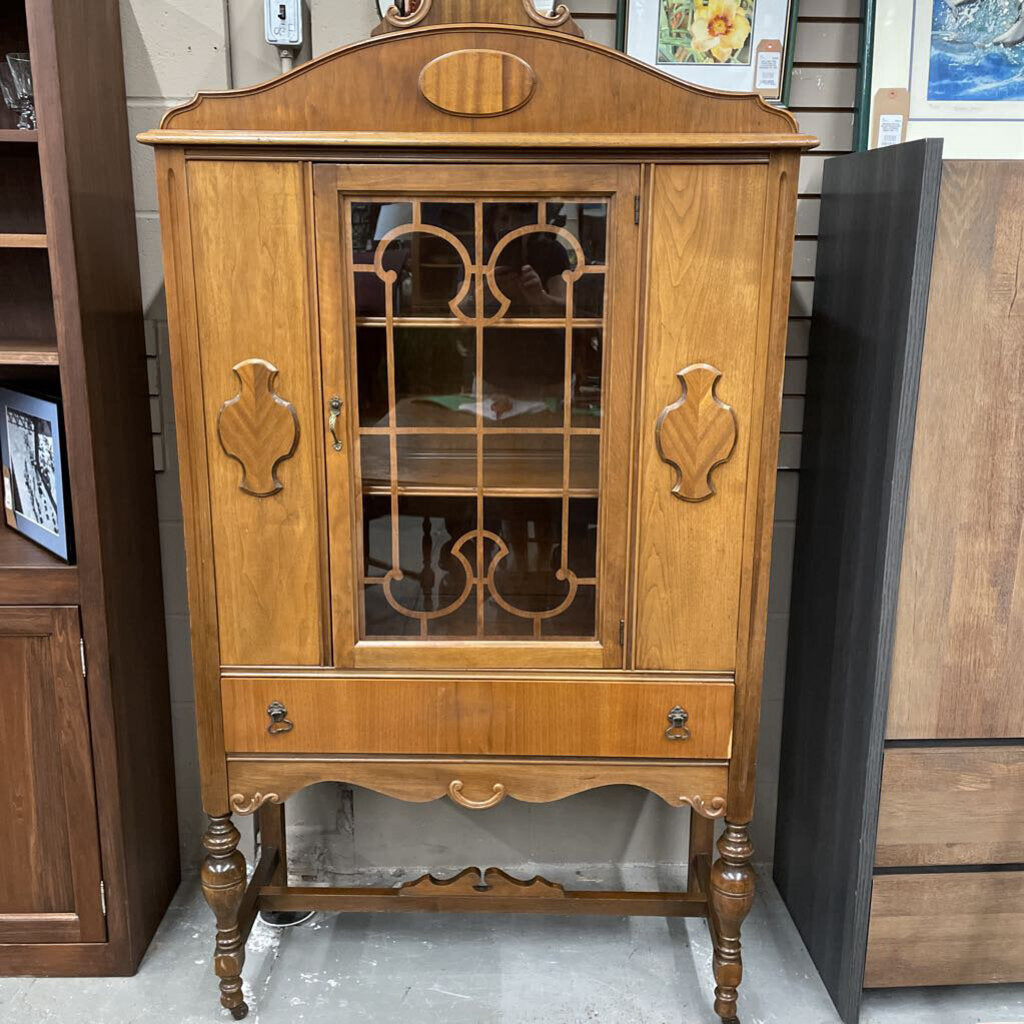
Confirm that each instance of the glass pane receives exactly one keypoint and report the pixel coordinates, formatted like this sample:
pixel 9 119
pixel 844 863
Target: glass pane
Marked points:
pixel 468 451
pixel 524 376
pixel 586 222
pixel 528 462
pixel 586 377
pixel 437 573
pixel 583 466
pixel 434 368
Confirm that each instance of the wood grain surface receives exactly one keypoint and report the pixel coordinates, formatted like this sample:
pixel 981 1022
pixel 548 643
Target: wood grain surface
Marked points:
pixel 49 886
pixel 250 227
pixel 946 929
pixel 373 84
pixel 478 716
pixel 707 232
pixel 477 82
pixel 953 805
pixel 960 626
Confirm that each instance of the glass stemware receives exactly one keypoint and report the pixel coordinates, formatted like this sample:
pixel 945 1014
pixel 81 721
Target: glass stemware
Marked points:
pixel 21 71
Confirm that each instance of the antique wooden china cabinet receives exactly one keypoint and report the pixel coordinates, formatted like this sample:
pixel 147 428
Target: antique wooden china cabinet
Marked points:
pixel 478 334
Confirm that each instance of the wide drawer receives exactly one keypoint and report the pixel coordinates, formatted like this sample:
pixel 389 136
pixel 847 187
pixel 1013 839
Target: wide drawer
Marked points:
pixel 951 805
pixel 956 928
pixel 532 718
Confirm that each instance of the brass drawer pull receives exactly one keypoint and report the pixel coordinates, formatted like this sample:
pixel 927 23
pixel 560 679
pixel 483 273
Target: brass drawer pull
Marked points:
pixel 278 719
pixel 332 421
pixel 677 719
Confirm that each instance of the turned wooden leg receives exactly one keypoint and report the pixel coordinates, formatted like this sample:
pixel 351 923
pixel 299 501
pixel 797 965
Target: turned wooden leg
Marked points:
pixel 223 879
pixel 732 895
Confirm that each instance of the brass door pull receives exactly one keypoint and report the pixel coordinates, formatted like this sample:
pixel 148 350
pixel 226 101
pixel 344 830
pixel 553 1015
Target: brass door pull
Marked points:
pixel 278 719
pixel 332 421
pixel 677 719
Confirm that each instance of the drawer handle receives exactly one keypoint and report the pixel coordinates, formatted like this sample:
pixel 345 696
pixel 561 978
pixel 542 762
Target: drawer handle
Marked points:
pixel 278 719
pixel 677 719
pixel 332 421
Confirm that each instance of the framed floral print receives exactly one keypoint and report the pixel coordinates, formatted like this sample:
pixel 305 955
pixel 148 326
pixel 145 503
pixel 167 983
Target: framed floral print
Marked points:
pixel 738 45
pixel 952 69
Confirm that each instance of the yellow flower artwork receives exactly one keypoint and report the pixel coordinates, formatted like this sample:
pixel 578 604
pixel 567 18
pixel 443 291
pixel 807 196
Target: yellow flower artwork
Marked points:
pixel 705 31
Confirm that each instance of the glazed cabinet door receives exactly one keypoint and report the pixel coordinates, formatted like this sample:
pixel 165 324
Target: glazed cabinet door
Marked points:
pixel 49 843
pixel 477 344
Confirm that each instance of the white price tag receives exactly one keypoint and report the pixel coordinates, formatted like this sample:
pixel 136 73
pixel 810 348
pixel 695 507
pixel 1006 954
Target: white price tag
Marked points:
pixel 890 130
pixel 768 75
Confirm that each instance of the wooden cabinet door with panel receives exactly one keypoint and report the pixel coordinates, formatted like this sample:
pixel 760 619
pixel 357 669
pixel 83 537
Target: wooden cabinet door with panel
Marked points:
pixel 49 843
pixel 477 399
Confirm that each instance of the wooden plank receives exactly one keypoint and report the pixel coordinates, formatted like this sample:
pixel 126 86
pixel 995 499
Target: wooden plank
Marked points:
pixel 28 353
pixel 946 929
pixel 22 241
pixel 877 219
pixel 534 718
pixel 954 805
pixel 249 225
pixel 391 901
pixel 682 541
pixel 960 628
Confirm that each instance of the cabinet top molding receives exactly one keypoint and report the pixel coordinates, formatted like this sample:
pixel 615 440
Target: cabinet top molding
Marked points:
pixel 368 94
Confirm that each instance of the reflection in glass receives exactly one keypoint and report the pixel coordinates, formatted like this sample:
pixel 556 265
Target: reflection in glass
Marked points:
pixel 434 369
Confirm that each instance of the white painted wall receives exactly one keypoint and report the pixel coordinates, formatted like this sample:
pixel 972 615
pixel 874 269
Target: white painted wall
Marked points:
pixel 172 48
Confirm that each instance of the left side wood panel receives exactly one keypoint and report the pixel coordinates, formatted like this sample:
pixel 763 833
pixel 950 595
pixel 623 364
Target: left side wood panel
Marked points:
pixel 250 222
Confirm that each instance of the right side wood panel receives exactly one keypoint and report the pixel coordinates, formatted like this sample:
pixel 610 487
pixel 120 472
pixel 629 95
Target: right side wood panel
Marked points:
pixel 705 269
pixel 960 625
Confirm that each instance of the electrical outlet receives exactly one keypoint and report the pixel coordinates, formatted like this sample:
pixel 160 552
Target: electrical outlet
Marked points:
pixel 283 22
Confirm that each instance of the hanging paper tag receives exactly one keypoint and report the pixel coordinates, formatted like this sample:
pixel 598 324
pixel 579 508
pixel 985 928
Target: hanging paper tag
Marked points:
pixel 891 113
pixel 768 69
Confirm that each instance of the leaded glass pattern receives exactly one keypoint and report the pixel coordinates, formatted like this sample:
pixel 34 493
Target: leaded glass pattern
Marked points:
pixel 479 332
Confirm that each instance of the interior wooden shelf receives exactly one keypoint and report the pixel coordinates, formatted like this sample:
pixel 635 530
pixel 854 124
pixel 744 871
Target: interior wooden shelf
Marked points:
pixel 28 353
pixel 18 135
pixel 22 241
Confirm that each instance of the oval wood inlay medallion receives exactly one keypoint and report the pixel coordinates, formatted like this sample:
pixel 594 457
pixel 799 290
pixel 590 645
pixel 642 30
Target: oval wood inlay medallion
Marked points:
pixel 477 83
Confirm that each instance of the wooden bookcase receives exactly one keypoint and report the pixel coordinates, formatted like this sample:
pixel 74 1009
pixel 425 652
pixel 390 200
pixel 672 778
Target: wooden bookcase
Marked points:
pixel 89 833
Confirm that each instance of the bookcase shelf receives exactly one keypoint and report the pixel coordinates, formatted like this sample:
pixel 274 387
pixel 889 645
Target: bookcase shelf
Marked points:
pixel 19 135
pixel 22 241
pixel 19 352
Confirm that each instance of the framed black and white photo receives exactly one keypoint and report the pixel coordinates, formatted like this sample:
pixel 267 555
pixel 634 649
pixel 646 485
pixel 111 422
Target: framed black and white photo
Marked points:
pixel 34 472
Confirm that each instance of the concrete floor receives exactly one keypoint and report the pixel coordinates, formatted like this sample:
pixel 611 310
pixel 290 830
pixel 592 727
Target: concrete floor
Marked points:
pixel 482 969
